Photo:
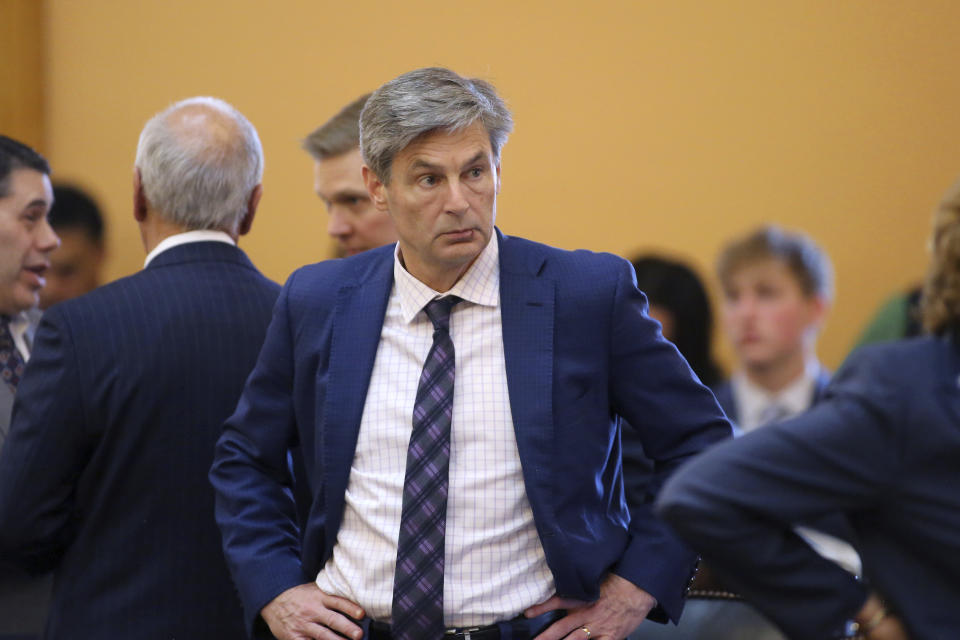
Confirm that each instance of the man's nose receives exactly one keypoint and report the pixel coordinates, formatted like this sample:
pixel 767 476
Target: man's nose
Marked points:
pixel 337 225
pixel 456 198
pixel 47 238
pixel 746 307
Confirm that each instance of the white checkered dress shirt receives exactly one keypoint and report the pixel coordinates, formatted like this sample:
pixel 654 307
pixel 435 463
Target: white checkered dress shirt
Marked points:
pixel 494 562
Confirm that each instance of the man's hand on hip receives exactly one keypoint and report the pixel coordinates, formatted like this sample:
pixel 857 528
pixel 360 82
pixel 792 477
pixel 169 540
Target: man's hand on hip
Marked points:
pixel 620 609
pixel 876 623
pixel 307 613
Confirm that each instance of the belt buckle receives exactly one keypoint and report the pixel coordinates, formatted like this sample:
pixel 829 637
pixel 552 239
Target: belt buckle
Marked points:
pixel 460 633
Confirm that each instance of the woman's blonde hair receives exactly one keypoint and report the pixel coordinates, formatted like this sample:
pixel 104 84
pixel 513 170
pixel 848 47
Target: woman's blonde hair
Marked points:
pixel 940 304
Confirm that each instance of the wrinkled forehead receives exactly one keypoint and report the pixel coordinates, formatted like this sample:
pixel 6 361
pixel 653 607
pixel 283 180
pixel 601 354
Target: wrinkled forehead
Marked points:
pixel 450 144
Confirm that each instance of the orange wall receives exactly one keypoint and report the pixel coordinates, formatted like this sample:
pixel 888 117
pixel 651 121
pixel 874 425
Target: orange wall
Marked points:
pixel 639 125
pixel 21 71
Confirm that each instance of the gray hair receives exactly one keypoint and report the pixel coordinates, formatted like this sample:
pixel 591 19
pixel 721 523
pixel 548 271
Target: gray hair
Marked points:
pixel 422 101
pixel 199 161
pixel 339 134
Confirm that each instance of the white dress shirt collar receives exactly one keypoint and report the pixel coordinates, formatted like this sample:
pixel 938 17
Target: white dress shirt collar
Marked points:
pixel 19 323
pixel 204 235
pixel 479 285
pixel 753 400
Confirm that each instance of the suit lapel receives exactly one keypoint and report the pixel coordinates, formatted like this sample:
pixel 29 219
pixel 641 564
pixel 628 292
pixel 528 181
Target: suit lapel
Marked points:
pixel 357 324
pixel 527 310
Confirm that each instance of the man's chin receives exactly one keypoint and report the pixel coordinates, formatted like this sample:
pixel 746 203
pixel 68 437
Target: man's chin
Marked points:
pixel 20 301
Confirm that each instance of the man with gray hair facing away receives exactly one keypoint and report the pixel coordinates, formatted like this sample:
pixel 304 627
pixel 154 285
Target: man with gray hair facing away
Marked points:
pixel 103 476
pixel 458 401
pixel 352 219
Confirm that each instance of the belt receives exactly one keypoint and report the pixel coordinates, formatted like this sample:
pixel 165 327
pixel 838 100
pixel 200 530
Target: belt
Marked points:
pixel 519 628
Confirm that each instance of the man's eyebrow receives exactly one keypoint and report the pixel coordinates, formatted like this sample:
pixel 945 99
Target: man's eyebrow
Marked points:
pixel 479 156
pixel 37 202
pixel 420 163
pixel 349 193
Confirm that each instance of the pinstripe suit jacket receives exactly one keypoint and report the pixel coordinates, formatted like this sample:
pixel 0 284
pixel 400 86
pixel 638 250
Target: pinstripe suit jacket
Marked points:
pixel 104 471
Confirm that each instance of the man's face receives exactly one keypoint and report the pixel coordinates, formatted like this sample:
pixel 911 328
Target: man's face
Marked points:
pixel 767 316
pixel 442 197
pixel 352 220
pixel 26 239
pixel 74 267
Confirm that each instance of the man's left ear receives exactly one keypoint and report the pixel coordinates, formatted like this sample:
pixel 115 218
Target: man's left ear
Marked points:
pixel 499 179
pixel 375 188
pixel 819 307
pixel 247 222
pixel 139 198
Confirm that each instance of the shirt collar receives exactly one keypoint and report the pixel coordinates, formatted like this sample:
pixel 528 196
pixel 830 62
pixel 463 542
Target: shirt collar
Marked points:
pixel 795 398
pixel 19 322
pixel 202 235
pixel 479 285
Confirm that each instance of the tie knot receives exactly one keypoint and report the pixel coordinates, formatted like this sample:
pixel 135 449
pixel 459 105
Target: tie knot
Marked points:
pixel 438 310
pixel 774 412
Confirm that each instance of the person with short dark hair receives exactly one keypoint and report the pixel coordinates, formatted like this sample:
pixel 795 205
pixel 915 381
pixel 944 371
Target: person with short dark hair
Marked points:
pixel 458 399
pixel 76 266
pixel 103 475
pixel 26 241
pixel 352 220
pixel 882 448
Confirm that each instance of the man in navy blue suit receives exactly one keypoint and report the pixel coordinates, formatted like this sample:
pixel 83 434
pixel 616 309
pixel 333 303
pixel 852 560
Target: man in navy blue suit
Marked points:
pixel 457 398
pixel 103 475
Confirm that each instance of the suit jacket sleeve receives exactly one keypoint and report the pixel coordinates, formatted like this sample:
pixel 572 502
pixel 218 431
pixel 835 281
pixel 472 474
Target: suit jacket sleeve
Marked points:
pixel 675 417
pixel 45 452
pixel 737 504
pixel 250 475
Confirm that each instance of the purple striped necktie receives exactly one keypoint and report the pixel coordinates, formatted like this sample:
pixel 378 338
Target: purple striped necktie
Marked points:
pixel 418 581
pixel 11 362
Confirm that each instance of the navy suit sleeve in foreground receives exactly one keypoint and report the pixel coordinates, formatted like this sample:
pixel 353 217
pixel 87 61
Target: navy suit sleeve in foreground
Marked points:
pixel 675 417
pixel 868 450
pixel 256 513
